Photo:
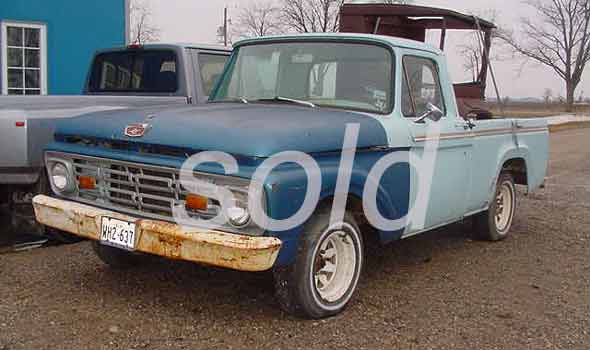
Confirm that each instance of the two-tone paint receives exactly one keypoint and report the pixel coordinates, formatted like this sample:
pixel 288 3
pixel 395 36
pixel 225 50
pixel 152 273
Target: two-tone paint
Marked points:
pixel 470 156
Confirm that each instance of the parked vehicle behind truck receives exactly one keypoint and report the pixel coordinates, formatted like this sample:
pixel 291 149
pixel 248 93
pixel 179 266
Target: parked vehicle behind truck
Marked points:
pixel 130 77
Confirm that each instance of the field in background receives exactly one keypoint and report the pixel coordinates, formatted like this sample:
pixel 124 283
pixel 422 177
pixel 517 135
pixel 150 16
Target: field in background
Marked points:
pixel 536 109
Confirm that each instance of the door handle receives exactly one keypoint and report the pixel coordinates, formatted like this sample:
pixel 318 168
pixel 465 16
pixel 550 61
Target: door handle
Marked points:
pixel 461 125
pixel 466 125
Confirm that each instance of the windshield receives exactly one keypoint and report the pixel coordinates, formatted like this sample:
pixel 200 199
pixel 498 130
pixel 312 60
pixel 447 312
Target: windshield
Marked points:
pixel 139 71
pixel 341 75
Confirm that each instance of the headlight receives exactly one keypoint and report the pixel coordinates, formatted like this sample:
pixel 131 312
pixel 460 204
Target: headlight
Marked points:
pixel 62 179
pixel 59 176
pixel 238 217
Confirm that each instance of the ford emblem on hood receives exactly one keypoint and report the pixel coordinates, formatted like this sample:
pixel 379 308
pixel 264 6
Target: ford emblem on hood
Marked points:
pixel 136 130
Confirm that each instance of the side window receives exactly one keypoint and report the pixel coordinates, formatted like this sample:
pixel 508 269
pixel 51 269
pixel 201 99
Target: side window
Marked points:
pixel 421 85
pixel 211 67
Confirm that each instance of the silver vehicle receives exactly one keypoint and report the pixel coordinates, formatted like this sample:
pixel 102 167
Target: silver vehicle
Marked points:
pixel 122 78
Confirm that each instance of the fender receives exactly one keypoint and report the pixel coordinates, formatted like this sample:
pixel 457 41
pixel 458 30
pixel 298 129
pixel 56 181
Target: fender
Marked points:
pixel 505 155
pixel 286 187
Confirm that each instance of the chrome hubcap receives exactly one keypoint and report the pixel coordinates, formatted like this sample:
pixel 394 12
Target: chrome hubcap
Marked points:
pixel 334 266
pixel 504 204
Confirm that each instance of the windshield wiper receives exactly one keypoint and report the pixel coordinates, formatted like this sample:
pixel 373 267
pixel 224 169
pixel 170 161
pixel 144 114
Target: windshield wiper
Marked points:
pixel 285 99
pixel 237 99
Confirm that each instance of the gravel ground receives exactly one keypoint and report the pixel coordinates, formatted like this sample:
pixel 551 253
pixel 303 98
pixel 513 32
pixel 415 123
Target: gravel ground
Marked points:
pixel 441 290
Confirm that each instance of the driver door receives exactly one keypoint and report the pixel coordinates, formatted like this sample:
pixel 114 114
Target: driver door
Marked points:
pixel 445 146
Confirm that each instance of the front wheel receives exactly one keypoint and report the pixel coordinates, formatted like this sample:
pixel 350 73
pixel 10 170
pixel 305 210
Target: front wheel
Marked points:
pixel 62 236
pixel 116 258
pixel 327 269
pixel 495 223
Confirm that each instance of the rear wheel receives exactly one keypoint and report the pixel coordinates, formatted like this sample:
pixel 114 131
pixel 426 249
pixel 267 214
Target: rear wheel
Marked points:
pixel 116 258
pixel 328 265
pixel 495 223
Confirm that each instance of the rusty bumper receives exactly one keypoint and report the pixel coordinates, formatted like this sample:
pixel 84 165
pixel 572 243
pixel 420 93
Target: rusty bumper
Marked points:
pixel 162 238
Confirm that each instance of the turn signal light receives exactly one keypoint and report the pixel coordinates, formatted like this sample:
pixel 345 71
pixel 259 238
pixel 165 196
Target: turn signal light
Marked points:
pixel 196 202
pixel 87 182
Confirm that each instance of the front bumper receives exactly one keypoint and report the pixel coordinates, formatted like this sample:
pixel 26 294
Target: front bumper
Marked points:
pixel 162 238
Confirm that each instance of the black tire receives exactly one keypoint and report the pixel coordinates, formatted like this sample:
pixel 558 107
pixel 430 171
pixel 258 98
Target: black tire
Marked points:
pixel 62 236
pixel 116 258
pixel 296 286
pixel 486 225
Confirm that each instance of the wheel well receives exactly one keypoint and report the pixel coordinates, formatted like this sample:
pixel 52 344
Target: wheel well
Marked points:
pixel 4 195
pixel 517 167
pixel 354 205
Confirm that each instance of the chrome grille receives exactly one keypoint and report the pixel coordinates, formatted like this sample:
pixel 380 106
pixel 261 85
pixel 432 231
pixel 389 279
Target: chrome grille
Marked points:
pixel 149 191
pixel 152 191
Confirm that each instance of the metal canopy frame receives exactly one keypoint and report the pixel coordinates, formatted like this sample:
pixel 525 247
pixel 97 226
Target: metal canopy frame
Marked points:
pixel 412 22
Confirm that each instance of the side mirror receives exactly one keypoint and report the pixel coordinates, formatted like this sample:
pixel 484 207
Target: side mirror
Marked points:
pixel 432 112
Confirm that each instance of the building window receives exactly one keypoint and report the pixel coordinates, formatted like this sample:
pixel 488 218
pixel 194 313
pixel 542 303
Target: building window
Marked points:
pixel 24 55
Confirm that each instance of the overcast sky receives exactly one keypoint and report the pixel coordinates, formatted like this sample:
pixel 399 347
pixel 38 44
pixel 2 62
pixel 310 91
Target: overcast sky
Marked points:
pixel 197 21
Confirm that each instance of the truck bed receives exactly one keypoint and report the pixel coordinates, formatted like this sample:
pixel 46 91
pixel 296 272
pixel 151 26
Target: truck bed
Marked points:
pixel 44 106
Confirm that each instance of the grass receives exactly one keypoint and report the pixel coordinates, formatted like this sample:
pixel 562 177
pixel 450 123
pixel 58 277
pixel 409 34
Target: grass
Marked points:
pixel 536 109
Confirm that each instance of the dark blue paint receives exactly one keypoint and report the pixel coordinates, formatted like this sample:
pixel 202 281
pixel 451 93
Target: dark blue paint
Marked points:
pixel 289 186
pixel 256 130
pixel 286 185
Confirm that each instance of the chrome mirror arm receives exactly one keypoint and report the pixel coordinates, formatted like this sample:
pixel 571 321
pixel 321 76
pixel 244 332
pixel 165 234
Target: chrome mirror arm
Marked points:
pixel 422 119
pixel 432 112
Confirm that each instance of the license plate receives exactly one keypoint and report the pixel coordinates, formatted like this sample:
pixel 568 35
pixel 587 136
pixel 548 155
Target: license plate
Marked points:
pixel 117 233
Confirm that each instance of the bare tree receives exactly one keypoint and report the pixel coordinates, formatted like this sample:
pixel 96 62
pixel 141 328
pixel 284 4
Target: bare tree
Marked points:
pixel 311 16
pixel 259 19
pixel 472 49
pixel 472 58
pixel 402 2
pixel 141 26
pixel 558 39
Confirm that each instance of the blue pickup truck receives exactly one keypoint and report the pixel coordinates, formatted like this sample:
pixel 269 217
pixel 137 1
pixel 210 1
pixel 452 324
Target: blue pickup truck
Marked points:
pixel 310 148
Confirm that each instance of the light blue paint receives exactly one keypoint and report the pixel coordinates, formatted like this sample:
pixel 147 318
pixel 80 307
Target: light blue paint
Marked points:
pixel 382 39
pixel 75 30
pixel 465 172
pixel 465 169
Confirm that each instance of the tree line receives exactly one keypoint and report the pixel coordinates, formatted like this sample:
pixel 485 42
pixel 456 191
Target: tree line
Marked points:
pixel 555 35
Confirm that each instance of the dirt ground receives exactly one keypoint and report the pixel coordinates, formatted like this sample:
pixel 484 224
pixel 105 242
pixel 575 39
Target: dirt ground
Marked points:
pixel 441 290
pixel 515 109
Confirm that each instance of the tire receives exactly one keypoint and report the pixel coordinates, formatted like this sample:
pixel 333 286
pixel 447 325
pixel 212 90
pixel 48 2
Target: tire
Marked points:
pixel 495 223
pixel 62 236
pixel 300 288
pixel 118 259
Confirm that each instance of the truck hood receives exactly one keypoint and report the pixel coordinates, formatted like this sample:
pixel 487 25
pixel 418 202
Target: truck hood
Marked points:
pixel 255 130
